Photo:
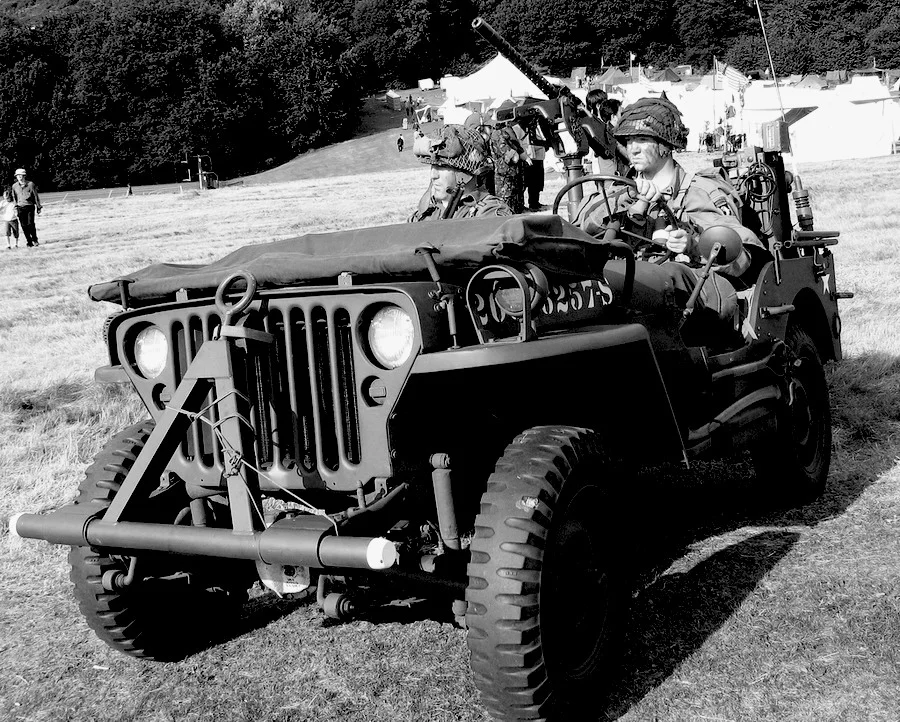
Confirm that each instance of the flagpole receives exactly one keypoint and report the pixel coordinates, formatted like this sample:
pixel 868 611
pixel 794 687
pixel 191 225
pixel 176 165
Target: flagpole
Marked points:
pixel 712 123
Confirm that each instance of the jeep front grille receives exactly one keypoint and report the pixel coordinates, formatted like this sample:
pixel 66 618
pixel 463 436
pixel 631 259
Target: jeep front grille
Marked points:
pixel 302 388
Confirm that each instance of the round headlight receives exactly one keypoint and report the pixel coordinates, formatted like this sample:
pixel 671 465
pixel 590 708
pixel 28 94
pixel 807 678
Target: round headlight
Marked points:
pixel 150 352
pixel 391 334
pixel 510 300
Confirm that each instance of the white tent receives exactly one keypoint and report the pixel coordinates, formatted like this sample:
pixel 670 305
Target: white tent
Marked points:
pixel 426 84
pixel 454 114
pixel 845 129
pixel 859 119
pixel 497 78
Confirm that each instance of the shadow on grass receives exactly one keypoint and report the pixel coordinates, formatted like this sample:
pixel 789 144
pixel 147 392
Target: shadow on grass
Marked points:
pixel 674 614
pixel 262 611
pixel 673 617
pixel 715 497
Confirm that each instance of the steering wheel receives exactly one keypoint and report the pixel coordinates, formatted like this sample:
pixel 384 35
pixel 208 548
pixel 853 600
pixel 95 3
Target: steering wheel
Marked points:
pixel 640 244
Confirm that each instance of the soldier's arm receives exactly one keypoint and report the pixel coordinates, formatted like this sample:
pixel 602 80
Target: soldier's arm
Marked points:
pixel 703 212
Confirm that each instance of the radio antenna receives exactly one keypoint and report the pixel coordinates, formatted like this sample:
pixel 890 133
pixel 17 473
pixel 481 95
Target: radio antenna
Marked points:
pixel 800 195
pixel 762 25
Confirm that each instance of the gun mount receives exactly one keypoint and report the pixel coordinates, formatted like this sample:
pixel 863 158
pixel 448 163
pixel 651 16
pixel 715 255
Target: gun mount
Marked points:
pixel 562 118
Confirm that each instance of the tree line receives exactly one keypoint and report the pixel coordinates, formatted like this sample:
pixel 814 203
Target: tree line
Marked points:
pixel 103 92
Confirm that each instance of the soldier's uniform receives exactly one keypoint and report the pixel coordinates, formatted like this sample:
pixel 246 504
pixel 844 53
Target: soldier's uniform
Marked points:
pixel 464 150
pixel 696 200
pixel 477 203
pixel 508 172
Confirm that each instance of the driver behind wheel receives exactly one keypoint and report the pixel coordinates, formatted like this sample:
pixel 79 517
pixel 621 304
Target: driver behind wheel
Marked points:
pixel 651 129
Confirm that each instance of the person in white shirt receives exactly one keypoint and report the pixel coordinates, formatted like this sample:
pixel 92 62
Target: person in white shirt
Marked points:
pixel 8 217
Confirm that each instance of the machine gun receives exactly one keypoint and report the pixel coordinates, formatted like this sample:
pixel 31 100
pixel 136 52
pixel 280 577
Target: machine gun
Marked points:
pixel 563 119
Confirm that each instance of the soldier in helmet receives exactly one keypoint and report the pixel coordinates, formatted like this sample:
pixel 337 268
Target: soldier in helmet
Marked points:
pixel 652 130
pixel 458 159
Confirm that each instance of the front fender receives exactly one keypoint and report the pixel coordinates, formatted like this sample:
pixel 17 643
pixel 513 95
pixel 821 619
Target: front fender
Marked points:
pixel 605 378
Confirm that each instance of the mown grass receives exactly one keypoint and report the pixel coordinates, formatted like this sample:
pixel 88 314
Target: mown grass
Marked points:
pixel 754 614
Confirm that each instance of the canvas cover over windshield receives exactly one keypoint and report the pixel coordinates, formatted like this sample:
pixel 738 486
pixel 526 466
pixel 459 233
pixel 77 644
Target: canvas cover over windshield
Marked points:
pixel 382 254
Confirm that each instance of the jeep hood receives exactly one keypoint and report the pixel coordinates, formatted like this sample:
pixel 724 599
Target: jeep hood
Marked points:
pixel 381 254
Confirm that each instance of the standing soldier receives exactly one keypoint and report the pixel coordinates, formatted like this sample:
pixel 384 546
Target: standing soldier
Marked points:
pixel 458 159
pixel 536 148
pixel 27 204
pixel 507 154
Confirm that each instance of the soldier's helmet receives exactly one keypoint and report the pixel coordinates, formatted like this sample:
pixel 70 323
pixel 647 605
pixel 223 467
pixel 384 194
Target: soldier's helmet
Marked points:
pixel 655 117
pixel 454 146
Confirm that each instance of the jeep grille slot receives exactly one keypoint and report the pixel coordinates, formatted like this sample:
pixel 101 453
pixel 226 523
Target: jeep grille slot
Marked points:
pixel 289 438
pixel 346 387
pixel 185 338
pixel 321 388
pixel 297 363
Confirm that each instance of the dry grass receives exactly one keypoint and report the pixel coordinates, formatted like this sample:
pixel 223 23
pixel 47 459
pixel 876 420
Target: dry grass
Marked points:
pixel 759 616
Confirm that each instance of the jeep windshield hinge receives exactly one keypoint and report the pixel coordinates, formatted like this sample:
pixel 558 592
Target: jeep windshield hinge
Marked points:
pixel 444 297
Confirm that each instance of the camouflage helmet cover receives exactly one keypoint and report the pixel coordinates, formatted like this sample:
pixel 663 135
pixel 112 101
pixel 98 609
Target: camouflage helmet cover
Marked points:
pixel 454 146
pixel 656 117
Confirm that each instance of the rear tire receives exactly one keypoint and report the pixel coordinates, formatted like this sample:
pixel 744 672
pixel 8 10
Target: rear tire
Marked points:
pixel 546 593
pixel 162 617
pixel 798 459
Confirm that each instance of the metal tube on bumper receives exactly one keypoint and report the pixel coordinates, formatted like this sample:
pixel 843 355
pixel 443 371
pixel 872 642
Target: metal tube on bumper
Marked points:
pixel 301 541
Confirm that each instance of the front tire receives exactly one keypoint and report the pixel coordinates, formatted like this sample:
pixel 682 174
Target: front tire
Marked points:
pixel 164 616
pixel 546 590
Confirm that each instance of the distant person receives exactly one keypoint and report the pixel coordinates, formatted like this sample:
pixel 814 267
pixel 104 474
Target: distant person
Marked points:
pixel 405 124
pixel 27 204
pixel 400 143
pixel 459 161
pixel 609 111
pixel 593 100
pixel 536 148
pixel 8 216
pixel 603 109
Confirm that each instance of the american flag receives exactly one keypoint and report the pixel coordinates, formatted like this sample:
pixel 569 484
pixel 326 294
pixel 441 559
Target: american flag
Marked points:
pixel 732 77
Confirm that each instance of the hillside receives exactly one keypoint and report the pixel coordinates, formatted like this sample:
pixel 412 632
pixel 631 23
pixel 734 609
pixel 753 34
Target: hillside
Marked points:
pixel 373 149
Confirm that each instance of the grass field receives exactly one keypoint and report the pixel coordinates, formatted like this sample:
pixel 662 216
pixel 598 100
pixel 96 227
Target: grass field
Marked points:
pixel 759 615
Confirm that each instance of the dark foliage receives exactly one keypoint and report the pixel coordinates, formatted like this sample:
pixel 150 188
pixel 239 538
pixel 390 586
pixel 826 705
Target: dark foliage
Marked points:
pixel 103 92
pixel 110 93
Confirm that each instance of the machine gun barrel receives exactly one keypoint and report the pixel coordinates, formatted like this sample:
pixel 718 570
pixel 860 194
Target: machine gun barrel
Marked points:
pixel 484 29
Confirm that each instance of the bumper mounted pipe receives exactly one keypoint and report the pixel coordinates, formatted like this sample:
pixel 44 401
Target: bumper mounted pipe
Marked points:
pixel 301 540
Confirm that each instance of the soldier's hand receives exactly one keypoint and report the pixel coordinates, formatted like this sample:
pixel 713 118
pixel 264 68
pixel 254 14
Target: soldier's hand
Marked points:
pixel 38 210
pixel 647 190
pixel 678 241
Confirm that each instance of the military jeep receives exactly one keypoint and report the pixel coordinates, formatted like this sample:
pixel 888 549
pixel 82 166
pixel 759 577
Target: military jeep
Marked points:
pixel 451 406
pixel 448 406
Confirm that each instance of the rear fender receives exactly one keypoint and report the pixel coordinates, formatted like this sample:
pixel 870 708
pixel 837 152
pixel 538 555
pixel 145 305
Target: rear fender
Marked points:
pixel 805 296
